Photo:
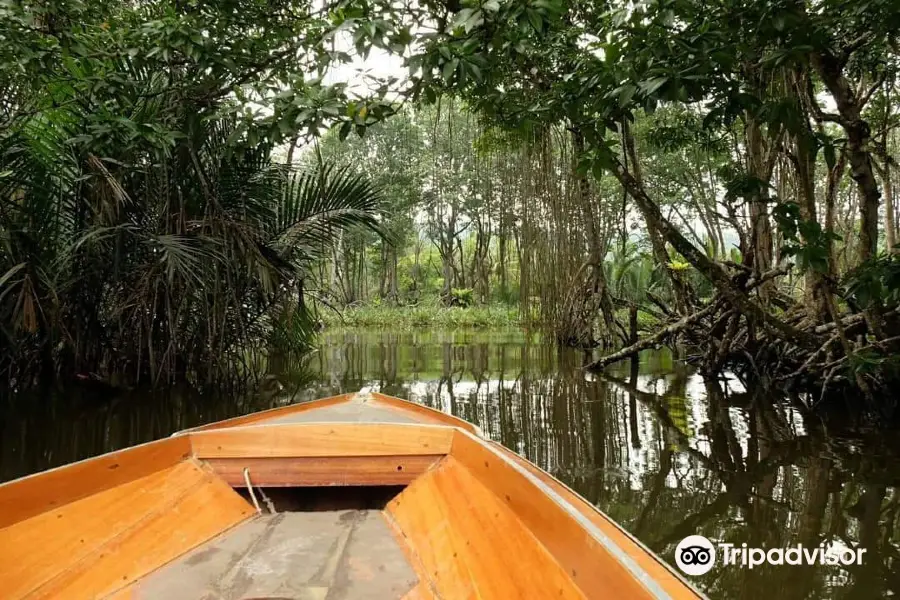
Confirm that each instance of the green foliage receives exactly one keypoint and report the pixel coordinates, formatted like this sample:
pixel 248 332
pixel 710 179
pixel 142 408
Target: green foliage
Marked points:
pixel 444 209
pixel 145 226
pixel 631 274
pixel 804 239
pixel 425 316
pixel 675 128
pixel 743 185
pixel 145 229
pixel 462 297
pixel 292 332
pixel 866 362
pixel 143 289
pixel 646 321
pixel 875 283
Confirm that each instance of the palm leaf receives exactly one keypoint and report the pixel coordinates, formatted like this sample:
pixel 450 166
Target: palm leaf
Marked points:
pixel 317 203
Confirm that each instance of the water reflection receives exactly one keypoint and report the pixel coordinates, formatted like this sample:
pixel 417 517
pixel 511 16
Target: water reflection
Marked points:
pixel 662 450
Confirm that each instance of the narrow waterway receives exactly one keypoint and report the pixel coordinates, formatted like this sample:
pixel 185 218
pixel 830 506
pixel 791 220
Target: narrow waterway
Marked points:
pixel 662 451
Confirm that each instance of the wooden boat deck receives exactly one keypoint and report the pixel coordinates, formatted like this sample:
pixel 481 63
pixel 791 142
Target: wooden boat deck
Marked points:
pixel 354 410
pixel 333 555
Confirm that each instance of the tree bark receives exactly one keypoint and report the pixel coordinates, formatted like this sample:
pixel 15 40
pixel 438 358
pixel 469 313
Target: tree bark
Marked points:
pixel 833 184
pixel 680 289
pixel 502 257
pixel 805 164
pixel 654 339
pixel 598 288
pixel 760 252
pixel 394 284
pixel 890 223
pixel 849 107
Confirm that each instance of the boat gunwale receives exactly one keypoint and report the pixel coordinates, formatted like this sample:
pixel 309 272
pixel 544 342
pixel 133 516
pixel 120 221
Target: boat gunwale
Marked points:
pixel 578 511
pixel 309 424
pixel 135 471
pixel 420 409
pixel 584 505
pixel 160 442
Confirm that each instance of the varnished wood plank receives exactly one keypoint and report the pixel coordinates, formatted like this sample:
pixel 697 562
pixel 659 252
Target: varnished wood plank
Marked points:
pixel 185 521
pixel 38 551
pixel 660 573
pixel 24 498
pixel 274 413
pixel 429 529
pixel 424 413
pixel 469 542
pixel 323 471
pixel 322 439
pixel 425 588
pixel 598 570
pixel 35 550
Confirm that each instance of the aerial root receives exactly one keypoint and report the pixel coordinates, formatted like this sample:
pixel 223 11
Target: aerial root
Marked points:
pixel 848 355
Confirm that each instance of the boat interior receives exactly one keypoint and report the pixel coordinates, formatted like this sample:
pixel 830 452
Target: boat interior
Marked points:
pixel 356 496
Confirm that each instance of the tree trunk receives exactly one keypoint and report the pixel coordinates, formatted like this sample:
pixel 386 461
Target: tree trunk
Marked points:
pixel 890 224
pixel 447 267
pixel 680 288
pixel 816 287
pixel 850 107
pixel 461 270
pixel 382 281
pixel 394 283
pixel 598 291
pixel 502 252
pixel 759 257
pixel 833 184
pixel 890 231
pixel 632 324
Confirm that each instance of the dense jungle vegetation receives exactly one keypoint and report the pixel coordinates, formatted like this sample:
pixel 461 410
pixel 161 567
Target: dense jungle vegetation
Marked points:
pixel 185 184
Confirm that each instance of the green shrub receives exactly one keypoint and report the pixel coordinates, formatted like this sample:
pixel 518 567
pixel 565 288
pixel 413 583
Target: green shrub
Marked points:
pixel 462 297
pixel 425 316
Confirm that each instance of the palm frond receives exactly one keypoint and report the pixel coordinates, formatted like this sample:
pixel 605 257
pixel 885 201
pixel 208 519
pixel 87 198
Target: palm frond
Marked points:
pixel 317 203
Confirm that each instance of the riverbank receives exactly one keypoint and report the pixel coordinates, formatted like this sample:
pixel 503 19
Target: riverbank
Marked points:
pixel 425 316
pixel 492 316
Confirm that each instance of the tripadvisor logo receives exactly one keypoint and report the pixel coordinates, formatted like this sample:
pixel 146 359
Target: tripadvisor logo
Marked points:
pixel 696 555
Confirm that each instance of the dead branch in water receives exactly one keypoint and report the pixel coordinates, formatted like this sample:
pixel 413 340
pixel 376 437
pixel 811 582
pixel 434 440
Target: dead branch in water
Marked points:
pixel 657 338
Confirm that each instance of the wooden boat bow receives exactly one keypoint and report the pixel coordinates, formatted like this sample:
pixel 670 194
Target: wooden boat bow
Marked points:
pixel 373 496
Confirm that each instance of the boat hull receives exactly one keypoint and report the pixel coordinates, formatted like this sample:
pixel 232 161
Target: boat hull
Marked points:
pixel 466 517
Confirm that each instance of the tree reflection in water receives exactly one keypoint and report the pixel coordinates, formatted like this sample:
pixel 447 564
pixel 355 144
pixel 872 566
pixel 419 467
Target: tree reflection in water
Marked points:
pixel 662 450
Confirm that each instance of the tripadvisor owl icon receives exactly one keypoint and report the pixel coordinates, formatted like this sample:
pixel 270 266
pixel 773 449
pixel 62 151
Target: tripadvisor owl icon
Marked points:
pixel 695 555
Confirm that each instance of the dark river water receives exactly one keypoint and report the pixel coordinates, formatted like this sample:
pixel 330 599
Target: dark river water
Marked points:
pixel 655 446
